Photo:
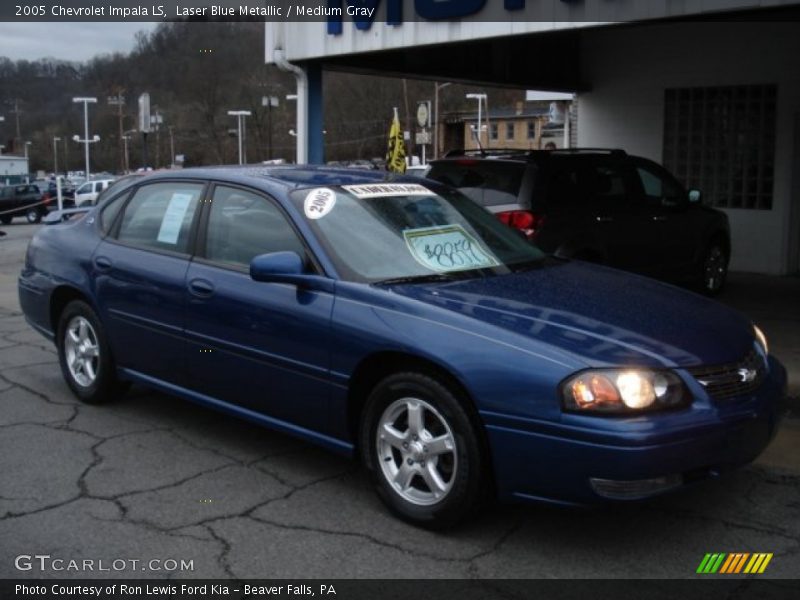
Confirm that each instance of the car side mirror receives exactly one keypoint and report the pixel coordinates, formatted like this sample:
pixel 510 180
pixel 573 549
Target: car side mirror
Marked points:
pixel 695 197
pixel 286 267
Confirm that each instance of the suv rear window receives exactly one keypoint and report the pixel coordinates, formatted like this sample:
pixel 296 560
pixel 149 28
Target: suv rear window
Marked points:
pixel 487 182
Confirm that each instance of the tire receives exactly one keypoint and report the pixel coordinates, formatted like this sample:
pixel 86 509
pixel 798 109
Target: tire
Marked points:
pixel 431 471
pixel 33 216
pixel 82 343
pixel 713 269
pixel 6 219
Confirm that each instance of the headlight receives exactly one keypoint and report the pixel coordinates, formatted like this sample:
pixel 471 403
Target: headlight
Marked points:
pixel 761 339
pixel 623 391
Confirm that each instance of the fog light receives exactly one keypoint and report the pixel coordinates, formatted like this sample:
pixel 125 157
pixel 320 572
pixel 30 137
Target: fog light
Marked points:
pixel 635 489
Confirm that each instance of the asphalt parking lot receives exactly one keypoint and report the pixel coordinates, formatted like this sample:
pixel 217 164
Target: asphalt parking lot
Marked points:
pixel 150 477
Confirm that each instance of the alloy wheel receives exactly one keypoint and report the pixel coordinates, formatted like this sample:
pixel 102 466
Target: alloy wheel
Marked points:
pixel 82 351
pixel 416 451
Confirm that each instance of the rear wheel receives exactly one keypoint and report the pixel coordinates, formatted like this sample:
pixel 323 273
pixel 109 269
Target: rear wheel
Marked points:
pixel 423 452
pixel 33 215
pixel 714 269
pixel 6 219
pixel 84 355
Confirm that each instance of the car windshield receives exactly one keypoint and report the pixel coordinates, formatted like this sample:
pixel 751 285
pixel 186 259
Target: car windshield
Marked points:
pixel 393 232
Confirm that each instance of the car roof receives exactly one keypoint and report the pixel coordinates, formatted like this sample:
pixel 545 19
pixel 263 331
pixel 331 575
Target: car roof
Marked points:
pixel 288 177
pixel 522 155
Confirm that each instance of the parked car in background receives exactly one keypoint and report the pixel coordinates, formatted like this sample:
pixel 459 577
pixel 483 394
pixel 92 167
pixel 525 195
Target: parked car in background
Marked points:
pixel 22 200
pixel 418 170
pixel 602 206
pixel 86 193
pixel 394 319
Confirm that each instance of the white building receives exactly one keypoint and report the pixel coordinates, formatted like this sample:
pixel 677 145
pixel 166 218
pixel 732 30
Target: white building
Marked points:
pixel 710 88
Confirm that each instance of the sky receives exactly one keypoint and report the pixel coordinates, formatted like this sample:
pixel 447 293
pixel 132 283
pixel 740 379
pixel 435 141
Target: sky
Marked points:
pixel 67 41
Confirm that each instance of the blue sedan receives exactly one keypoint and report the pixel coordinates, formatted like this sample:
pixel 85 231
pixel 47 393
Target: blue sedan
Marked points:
pixel 394 320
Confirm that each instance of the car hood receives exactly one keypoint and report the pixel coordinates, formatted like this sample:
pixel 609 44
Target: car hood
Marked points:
pixel 603 316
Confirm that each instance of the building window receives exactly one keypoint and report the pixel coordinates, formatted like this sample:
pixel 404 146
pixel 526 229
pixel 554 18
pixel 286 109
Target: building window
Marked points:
pixel 493 131
pixel 721 140
pixel 510 131
pixel 531 130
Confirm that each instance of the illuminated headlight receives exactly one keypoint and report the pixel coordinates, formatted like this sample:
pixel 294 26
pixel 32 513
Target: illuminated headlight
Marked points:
pixel 623 391
pixel 761 339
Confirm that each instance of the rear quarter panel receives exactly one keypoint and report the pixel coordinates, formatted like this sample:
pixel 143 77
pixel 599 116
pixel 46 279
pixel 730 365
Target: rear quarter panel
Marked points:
pixel 58 255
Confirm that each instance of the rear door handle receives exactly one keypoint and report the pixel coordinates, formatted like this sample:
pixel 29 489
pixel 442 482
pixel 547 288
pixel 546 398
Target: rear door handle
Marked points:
pixel 102 263
pixel 659 218
pixel 604 219
pixel 201 288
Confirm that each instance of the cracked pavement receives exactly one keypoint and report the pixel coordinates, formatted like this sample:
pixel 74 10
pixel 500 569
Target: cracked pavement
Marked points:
pixel 153 477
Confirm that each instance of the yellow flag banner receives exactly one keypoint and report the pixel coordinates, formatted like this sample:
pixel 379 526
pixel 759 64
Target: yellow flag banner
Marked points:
pixel 396 153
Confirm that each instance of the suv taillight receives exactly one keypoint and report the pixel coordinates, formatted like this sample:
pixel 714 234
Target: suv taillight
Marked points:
pixel 524 220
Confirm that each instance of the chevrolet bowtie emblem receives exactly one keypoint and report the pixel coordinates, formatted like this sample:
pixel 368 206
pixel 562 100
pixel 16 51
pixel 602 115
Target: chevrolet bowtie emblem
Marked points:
pixel 746 375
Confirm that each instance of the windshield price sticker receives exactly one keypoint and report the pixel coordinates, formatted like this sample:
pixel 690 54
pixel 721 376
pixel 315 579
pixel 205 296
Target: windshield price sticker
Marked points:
pixel 319 202
pixel 384 190
pixel 447 248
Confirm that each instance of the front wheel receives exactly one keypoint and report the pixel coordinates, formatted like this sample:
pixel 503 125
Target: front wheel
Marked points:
pixel 423 452
pixel 714 269
pixel 85 356
pixel 33 215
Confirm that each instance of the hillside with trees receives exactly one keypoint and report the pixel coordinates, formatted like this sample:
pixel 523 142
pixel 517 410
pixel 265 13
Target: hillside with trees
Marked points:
pixel 195 72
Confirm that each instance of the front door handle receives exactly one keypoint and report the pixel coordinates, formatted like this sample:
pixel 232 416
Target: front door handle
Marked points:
pixel 604 219
pixel 201 288
pixel 659 218
pixel 102 263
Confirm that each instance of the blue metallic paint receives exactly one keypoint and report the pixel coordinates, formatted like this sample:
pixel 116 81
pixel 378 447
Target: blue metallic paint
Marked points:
pixel 283 356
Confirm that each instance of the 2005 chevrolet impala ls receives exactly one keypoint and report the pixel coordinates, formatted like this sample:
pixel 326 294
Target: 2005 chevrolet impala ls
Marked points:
pixel 395 320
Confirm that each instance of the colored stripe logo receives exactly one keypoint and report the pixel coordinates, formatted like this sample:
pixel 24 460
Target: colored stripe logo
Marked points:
pixel 734 563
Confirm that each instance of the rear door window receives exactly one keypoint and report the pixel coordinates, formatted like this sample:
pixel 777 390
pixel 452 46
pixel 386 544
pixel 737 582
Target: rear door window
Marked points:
pixel 160 216
pixel 487 182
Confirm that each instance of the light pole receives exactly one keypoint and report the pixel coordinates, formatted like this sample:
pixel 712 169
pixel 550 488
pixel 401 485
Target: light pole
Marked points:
pixel 2 118
pixel 55 155
pixel 436 88
pixel 270 102
pixel 481 98
pixel 239 114
pixel 26 148
pixel 86 101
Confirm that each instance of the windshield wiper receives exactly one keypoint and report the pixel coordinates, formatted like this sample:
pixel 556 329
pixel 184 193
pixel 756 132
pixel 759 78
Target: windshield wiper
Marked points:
pixel 417 279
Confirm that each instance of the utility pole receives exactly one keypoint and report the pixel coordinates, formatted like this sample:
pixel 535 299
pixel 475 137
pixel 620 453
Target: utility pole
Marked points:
pixel 436 88
pixel 156 120
pixel 55 155
pixel 118 100
pixel 171 148
pixel 18 137
pixel 126 166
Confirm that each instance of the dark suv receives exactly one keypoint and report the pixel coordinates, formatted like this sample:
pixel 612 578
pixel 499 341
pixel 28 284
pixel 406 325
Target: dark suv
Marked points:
pixel 20 200
pixel 602 206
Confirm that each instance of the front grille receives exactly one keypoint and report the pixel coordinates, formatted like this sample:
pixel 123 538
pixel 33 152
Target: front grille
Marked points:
pixel 734 379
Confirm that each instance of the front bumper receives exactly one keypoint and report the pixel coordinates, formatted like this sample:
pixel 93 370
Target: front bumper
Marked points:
pixel 558 462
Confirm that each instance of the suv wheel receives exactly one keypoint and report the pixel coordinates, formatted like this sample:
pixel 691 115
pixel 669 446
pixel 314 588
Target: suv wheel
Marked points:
pixel 714 269
pixel 422 451
pixel 33 215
